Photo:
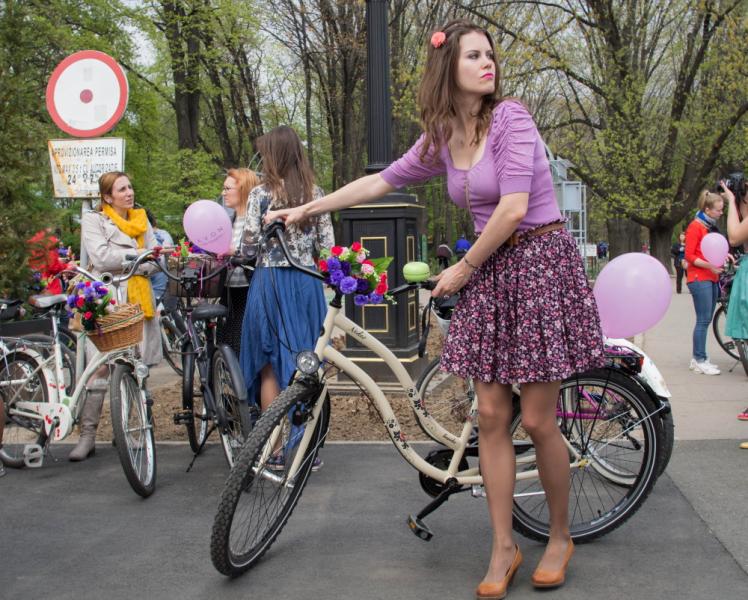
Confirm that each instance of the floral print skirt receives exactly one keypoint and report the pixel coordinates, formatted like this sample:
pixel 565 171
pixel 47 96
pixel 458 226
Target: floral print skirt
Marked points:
pixel 526 315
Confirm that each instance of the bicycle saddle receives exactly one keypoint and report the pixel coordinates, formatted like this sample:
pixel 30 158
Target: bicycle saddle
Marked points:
pixel 44 301
pixel 205 312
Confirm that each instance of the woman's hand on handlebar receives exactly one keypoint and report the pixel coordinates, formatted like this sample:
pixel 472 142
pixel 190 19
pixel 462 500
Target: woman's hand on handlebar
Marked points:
pixel 452 280
pixel 288 215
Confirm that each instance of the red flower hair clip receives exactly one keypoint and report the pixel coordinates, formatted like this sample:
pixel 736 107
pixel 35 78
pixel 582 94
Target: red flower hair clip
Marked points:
pixel 438 38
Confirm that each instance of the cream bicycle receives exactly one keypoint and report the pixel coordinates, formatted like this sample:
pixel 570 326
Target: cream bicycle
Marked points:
pixel 612 442
pixel 38 410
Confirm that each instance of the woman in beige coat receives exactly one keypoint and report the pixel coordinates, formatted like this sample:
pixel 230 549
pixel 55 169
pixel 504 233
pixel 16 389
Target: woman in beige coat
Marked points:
pixel 109 235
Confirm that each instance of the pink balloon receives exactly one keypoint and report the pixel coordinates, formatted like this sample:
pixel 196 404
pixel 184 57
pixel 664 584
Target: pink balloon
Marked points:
pixel 208 226
pixel 633 292
pixel 714 247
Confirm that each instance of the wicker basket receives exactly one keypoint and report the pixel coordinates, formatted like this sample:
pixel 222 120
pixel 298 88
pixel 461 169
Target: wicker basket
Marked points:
pixel 196 265
pixel 120 329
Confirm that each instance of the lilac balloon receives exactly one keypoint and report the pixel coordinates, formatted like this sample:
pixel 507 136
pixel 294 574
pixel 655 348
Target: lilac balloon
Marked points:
pixel 633 293
pixel 714 247
pixel 207 225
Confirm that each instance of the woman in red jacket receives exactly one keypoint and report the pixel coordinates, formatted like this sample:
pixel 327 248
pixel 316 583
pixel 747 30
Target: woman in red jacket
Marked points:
pixel 703 277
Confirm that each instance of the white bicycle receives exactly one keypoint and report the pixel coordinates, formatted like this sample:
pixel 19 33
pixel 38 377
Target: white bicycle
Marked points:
pixel 39 410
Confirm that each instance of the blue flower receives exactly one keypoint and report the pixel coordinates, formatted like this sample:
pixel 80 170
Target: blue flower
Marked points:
pixel 375 298
pixel 348 285
pixel 346 267
pixel 80 285
pixel 333 263
pixel 336 277
pixel 362 286
pixel 360 299
pixel 71 300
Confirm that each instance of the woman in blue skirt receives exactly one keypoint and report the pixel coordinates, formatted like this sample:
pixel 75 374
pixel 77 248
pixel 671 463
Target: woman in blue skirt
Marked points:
pixel 285 308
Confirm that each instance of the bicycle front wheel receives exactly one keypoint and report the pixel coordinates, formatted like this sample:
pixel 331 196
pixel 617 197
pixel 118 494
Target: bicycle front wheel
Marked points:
pixel 259 496
pixel 613 434
pixel 234 422
pixel 133 430
pixel 20 382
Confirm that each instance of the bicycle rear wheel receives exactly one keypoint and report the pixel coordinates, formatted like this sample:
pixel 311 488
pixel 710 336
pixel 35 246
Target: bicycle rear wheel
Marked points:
pixel 133 430
pixel 230 396
pixel 718 328
pixel 258 497
pixel 19 383
pixel 610 423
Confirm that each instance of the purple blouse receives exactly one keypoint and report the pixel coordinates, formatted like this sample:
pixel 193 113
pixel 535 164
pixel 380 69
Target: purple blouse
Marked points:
pixel 513 161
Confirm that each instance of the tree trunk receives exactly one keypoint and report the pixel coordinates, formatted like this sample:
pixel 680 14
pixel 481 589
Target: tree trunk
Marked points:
pixel 623 236
pixel 660 244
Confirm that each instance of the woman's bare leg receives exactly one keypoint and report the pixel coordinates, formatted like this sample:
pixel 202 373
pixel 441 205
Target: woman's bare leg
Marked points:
pixel 269 388
pixel 539 420
pixel 497 465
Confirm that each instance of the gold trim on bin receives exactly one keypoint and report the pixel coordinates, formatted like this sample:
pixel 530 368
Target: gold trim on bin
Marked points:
pixel 386 317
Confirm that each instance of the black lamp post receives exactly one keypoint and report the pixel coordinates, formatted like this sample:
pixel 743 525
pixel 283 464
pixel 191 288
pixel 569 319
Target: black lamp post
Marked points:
pixel 388 227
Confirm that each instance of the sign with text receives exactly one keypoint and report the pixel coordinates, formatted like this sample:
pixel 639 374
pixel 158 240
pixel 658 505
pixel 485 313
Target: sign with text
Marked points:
pixel 78 164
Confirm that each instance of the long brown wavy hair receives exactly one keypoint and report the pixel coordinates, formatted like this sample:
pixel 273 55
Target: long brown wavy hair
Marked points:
pixel 437 94
pixel 285 168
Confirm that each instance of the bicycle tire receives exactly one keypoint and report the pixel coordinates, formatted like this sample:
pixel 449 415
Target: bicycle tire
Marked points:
pixel 234 523
pixel 718 327
pixel 132 425
pixel 20 431
pixel 446 397
pixel 627 481
pixel 230 394
pixel 668 442
pixel 742 353
pixel 193 401
pixel 170 344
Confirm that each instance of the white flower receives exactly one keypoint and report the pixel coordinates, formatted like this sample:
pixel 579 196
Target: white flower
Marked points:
pixel 367 269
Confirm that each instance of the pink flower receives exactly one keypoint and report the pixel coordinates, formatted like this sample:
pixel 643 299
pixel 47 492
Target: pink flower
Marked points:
pixel 336 250
pixel 361 257
pixel 356 246
pixel 88 314
pixel 367 269
pixel 438 39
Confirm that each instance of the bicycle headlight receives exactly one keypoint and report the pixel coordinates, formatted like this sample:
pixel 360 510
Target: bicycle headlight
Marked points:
pixel 307 362
pixel 141 371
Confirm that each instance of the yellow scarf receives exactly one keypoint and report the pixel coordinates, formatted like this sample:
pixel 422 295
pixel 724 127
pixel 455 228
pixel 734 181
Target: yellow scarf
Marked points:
pixel 135 226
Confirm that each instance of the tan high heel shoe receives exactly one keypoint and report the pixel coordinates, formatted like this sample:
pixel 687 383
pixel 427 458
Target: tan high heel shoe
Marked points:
pixel 550 579
pixel 497 591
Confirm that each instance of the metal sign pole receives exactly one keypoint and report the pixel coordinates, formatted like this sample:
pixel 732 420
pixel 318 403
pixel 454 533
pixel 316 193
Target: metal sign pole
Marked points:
pixel 85 207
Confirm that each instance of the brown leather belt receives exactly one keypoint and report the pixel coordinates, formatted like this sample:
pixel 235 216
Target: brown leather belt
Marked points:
pixel 518 236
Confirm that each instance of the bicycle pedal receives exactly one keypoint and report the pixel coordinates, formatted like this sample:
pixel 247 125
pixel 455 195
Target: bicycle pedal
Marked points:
pixel 33 456
pixel 420 529
pixel 183 418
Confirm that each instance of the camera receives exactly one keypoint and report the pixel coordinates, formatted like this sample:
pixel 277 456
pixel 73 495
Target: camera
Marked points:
pixel 736 184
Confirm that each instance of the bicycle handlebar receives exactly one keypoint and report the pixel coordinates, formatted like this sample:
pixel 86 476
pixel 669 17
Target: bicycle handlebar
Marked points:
pixel 277 229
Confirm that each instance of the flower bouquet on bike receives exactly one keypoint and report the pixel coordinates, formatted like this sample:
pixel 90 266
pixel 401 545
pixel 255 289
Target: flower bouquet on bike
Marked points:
pixel 350 270
pixel 108 325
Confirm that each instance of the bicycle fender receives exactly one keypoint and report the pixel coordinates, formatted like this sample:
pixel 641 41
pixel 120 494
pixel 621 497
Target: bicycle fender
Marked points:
pixel 236 371
pixel 50 412
pixel 649 373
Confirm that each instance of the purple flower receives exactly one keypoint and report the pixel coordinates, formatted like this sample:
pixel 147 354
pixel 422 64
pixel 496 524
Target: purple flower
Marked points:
pixel 80 286
pixel 336 277
pixel 333 263
pixel 71 300
pixel 375 298
pixel 348 285
pixel 102 291
pixel 360 299
pixel 346 268
pixel 362 286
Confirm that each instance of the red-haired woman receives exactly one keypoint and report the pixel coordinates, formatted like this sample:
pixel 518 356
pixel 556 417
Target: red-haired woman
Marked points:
pixel 526 313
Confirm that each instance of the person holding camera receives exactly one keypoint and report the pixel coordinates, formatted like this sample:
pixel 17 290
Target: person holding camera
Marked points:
pixel 702 277
pixel 733 190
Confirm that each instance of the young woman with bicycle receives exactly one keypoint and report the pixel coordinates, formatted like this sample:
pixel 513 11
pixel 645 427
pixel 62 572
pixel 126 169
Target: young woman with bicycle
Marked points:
pixel 736 326
pixel 702 278
pixel 285 308
pixel 526 313
pixel 109 235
